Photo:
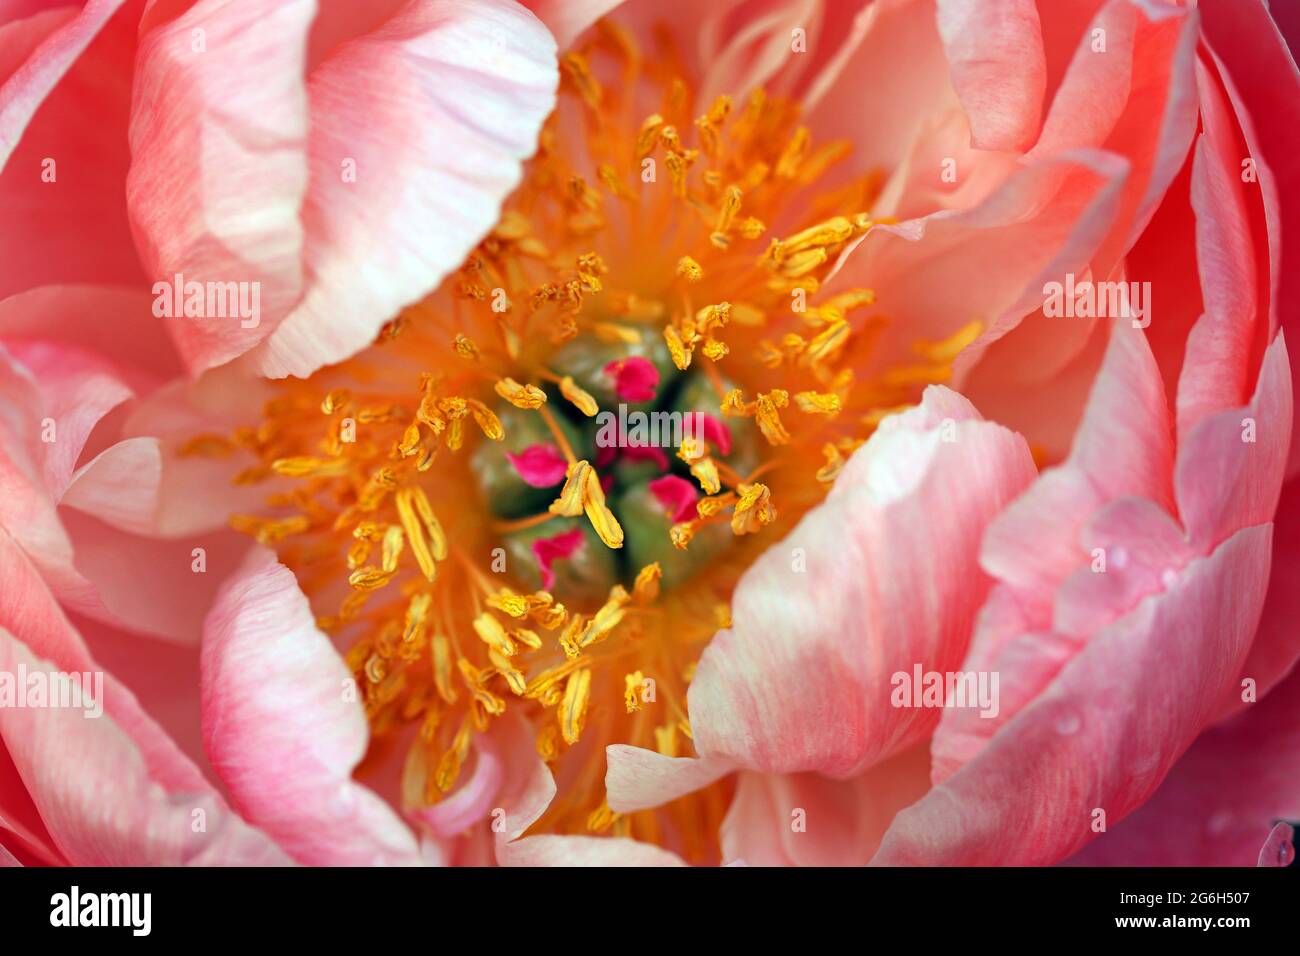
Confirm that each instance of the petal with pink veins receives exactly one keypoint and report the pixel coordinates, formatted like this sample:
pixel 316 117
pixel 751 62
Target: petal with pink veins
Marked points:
pixel 1219 805
pixel 283 728
pixel 1105 733
pixel 889 580
pixel 995 51
pixel 220 116
pixel 404 182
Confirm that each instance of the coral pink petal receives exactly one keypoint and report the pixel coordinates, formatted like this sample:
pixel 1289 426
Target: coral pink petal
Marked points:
pixel 635 378
pixel 1219 804
pixel 1262 80
pixel 97 797
pixel 1231 463
pixel 220 114
pixel 998 68
pixel 1277 644
pixel 541 465
pixel 879 578
pixel 404 182
pixel 1107 730
pixel 1123 447
pixel 283 728
pixel 555 548
pixel 61 187
pixel 677 496
pixel 1221 348
pixel 809 820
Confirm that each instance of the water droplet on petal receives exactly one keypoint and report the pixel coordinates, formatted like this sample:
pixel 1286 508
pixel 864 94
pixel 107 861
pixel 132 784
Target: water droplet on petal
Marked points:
pixel 1278 850
pixel 1068 724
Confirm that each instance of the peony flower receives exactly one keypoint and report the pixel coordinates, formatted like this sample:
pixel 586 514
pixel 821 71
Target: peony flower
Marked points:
pixel 598 433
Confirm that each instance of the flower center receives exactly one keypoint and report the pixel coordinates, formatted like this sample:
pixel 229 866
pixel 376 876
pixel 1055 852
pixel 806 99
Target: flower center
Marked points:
pixel 470 512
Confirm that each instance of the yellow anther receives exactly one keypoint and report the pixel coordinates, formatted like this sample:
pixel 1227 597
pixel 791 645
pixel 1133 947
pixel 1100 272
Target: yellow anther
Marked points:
pixel 817 402
pixel 945 350
pixel 487 420
pixel 305 466
pixel 689 269
pixel 580 399
pixel 646 588
pixel 520 396
pixel 573 709
pixel 633 685
pixel 753 510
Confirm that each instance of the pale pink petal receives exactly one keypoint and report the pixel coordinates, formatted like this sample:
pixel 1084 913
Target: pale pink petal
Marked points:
pixel 283 727
pixel 220 116
pixel 809 820
pixel 567 19
pixel 1105 733
pixel 404 181
pixel 879 578
pixel 98 798
pixel 638 779
pixel 1219 804
pixel 541 465
pixel 471 801
pixel 996 56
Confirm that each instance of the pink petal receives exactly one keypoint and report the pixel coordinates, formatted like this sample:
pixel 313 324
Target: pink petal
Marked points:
pixel 472 800
pixel 1225 481
pixel 1279 848
pixel 1137 100
pixel 1219 804
pixel 638 779
pixel 677 496
pixel 1261 79
pixel 98 798
pixel 996 55
pixel 1105 733
pixel 555 548
pixel 632 451
pixel 1123 447
pixel 809 820
pixel 429 178
pixel 1221 348
pixel 635 378
pixel 283 728
pixel 541 465
pixel 717 433
pixel 872 601
pixel 74 227
pixel 226 129
pixel 567 19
